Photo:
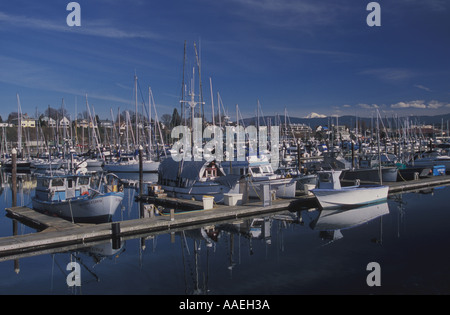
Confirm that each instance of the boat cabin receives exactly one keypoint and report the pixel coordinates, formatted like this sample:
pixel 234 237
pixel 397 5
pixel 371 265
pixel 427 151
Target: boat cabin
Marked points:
pixel 61 188
pixel 329 179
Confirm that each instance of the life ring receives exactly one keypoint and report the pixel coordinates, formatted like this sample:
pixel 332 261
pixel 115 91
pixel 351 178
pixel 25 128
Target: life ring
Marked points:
pixel 86 193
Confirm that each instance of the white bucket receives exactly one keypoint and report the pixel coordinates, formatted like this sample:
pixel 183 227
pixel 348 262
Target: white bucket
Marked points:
pixel 208 202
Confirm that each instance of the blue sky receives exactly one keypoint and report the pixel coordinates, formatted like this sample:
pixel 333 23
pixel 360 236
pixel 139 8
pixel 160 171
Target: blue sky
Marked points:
pixel 303 55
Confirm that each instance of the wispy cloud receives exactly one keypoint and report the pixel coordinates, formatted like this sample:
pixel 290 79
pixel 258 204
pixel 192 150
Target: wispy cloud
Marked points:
pixel 92 28
pixel 434 5
pixel 391 75
pixel 422 87
pixel 29 75
pixel 288 13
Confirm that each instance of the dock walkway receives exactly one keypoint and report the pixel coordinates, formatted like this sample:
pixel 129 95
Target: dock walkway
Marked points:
pixel 55 232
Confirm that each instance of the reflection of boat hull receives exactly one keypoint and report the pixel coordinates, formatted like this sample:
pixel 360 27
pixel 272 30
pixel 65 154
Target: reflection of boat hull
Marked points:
pixel 83 209
pixel 389 174
pixel 343 219
pixel 352 196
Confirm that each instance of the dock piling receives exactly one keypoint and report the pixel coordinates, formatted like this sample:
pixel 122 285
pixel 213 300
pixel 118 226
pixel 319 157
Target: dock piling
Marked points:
pixel 115 229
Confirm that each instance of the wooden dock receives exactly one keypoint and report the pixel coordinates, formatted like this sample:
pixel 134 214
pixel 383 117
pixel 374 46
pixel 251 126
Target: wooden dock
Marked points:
pixel 54 232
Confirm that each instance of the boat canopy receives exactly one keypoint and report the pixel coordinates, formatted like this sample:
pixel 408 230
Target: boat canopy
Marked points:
pixel 172 170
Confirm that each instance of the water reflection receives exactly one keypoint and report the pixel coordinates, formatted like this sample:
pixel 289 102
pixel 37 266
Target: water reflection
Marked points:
pixel 280 253
pixel 331 222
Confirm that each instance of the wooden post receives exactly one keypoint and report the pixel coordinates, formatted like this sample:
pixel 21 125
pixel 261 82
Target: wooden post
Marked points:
pixel 353 154
pixel 299 162
pixel 115 230
pixel 141 183
pixel 14 177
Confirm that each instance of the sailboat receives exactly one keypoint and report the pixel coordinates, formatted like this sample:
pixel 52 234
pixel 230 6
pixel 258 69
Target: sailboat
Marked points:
pixel 22 164
pixel 127 163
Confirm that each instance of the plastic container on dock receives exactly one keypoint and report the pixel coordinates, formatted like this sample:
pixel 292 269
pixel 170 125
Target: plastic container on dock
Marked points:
pixel 208 202
pixel 438 170
pixel 232 199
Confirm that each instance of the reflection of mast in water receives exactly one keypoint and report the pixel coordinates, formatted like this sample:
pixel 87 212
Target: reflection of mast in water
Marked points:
pixel 97 253
pixel 208 235
pixel 401 211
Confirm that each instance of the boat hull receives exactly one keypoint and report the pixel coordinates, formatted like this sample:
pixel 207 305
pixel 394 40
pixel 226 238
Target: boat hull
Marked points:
pixel 98 209
pixel 348 197
pixel 198 191
pixel 45 165
pixel 147 167
pixel 283 188
pixel 389 174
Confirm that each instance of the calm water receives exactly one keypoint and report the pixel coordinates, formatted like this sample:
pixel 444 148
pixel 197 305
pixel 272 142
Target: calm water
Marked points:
pixel 303 252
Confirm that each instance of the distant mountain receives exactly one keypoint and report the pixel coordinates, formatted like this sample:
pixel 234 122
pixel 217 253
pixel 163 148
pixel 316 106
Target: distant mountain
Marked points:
pixel 349 120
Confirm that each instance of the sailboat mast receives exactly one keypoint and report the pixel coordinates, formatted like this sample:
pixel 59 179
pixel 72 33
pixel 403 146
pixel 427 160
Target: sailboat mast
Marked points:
pixel 136 112
pixel 212 102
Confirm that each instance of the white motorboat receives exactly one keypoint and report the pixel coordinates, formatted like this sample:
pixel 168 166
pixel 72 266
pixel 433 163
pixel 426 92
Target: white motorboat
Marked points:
pixel 330 194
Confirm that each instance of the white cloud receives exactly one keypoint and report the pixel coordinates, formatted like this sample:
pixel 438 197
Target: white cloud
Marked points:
pixel 411 104
pixel 420 104
pixel 316 115
pixel 368 106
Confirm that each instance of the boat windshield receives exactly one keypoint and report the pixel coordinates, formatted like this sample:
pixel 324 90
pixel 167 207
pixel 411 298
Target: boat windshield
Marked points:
pixel 83 181
pixel 57 182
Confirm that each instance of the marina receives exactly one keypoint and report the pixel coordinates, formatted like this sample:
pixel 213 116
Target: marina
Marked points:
pixel 225 250
pixel 57 232
pixel 98 203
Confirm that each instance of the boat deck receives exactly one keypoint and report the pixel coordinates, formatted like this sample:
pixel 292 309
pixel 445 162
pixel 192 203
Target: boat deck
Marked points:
pixel 55 233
